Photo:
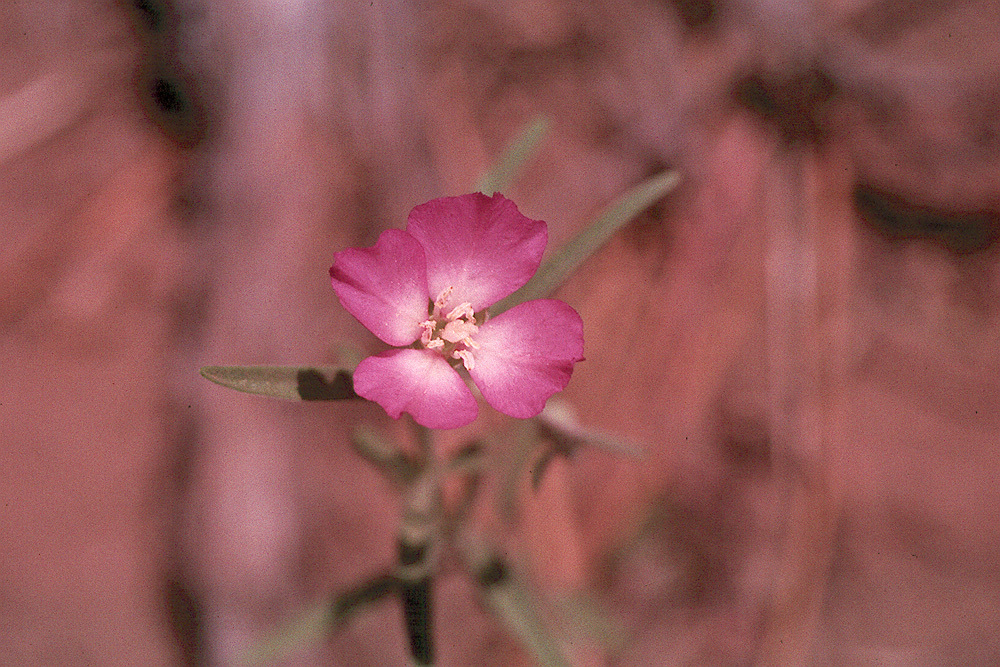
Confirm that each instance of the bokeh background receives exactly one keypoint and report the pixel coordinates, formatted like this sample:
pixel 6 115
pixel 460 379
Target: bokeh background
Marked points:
pixel 803 338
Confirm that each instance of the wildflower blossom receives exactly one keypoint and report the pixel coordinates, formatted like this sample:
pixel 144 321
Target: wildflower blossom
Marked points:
pixel 426 290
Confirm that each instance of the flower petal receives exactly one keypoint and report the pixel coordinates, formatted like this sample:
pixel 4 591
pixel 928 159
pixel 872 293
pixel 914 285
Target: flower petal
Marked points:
pixel 420 382
pixel 482 246
pixel 527 354
pixel 384 286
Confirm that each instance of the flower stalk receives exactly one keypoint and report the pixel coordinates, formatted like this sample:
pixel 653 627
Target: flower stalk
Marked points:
pixel 418 545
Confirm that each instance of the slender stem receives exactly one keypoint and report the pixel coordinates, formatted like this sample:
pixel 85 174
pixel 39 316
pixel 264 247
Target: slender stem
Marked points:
pixel 417 615
pixel 418 543
pixel 425 440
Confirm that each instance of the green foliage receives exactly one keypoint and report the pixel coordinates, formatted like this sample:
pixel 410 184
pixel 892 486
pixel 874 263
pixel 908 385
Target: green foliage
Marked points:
pixel 568 259
pixel 312 625
pixel 293 383
pixel 507 168
pixel 514 602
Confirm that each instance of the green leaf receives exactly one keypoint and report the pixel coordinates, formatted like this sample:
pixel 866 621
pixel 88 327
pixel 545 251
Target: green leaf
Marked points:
pixel 518 608
pixel 384 455
pixel 568 259
pixel 293 383
pixel 561 435
pixel 588 618
pixel 468 459
pixel 304 631
pixel 311 626
pixel 508 167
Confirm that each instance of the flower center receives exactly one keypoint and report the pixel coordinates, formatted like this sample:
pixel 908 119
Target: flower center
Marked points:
pixel 451 334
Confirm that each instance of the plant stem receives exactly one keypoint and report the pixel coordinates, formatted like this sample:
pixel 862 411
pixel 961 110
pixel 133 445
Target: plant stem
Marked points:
pixel 418 543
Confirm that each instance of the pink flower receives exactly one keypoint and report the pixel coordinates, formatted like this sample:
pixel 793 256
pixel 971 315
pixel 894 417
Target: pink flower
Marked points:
pixel 426 290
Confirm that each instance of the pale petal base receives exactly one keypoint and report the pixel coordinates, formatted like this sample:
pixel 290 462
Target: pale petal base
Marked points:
pixel 419 382
pixel 527 354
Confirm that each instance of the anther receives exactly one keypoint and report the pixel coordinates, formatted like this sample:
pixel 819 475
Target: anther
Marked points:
pixel 467 359
pixel 441 301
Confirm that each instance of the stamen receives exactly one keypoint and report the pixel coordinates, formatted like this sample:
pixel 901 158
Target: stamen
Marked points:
pixel 451 334
pixel 428 327
pixel 458 331
pixel 463 310
pixel 467 360
pixel 441 301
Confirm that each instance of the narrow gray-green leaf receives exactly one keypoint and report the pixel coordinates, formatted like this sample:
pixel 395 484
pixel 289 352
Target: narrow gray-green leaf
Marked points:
pixel 508 167
pixel 588 618
pixel 293 383
pixel 384 455
pixel 514 603
pixel 304 631
pixel 569 258
pixel 313 625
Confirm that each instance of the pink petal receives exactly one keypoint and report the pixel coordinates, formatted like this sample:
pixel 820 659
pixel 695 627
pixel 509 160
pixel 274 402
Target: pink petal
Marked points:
pixel 527 354
pixel 384 286
pixel 482 246
pixel 420 382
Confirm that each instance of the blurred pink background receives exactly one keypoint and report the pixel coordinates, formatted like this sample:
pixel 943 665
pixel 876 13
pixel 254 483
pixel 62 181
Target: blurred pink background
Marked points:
pixel 803 337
